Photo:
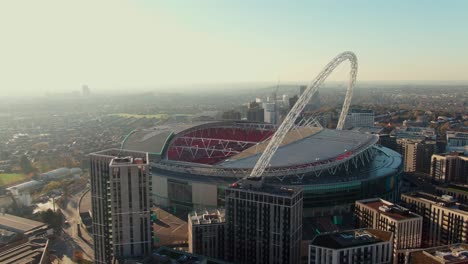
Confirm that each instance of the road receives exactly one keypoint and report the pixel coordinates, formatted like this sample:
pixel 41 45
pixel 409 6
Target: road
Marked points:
pixel 69 241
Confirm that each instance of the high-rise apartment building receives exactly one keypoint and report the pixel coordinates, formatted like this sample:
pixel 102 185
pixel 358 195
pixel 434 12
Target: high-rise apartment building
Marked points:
pixel 206 233
pixel 255 112
pixel 263 223
pixel 383 215
pixel 359 118
pixel 356 246
pixel 450 167
pixel 271 113
pixel 444 220
pixel 417 154
pixel 120 188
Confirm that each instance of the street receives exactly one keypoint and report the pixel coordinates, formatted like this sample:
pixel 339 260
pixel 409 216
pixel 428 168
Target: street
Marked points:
pixel 69 242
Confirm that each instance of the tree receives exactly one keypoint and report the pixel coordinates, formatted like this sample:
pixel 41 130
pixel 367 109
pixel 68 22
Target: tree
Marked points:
pixel 26 165
pixel 53 219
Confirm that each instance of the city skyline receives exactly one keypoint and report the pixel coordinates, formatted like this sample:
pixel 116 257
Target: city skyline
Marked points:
pixel 58 46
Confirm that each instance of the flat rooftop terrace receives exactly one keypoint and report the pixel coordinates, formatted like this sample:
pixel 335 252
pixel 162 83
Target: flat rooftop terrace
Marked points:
pixel 257 185
pixel 391 210
pixel 450 254
pixel 351 238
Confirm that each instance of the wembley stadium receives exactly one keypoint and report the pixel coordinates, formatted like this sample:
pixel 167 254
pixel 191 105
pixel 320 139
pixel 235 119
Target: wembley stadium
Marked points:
pixel 193 163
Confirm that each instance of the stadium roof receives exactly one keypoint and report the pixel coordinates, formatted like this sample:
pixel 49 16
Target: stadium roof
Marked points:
pixel 323 145
pixel 153 140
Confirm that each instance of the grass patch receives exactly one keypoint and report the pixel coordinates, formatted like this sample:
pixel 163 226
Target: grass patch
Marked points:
pixel 156 116
pixel 10 178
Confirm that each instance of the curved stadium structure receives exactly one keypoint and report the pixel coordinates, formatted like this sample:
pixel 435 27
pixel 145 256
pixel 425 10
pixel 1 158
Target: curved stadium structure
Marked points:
pixel 192 164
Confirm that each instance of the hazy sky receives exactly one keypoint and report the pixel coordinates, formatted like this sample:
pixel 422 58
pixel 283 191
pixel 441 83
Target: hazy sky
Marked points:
pixel 56 46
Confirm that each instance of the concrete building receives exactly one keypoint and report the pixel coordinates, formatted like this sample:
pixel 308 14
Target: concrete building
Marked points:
pixel 457 141
pixel 22 192
pixel 206 231
pixel 383 215
pixel 231 115
pixel 352 246
pixel 255 112
pixel 450 167
pixel 428 133
pixel 444 220
pixel 457 191
pixel 417 154
pixel 447 254
pixel 263 223
pixel 271 113
pixel 359 118
pixel 120 188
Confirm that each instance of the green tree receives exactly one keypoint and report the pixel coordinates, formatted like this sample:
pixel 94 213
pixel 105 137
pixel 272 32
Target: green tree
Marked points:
pixel 53 219
pixel 26 164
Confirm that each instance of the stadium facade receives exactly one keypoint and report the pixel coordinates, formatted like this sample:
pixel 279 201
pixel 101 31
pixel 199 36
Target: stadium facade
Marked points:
pixel 193 163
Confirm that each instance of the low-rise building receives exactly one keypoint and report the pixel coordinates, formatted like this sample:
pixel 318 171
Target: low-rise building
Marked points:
pixel 383 215
pixel 444 220
pixel 447 254
pixel 24 226
pixel 352 246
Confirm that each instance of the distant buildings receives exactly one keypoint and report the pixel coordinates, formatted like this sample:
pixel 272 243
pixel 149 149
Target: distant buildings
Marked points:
pixel 231 115
pixel 357 246
pixel 359 118
pixel 420 133
pixel 206 231
pixel 120 189
pixel 271 113
pixel 255 112
pixel 314 102
pixel 263 223
pixel 444 220
pixel 85 91
pixel 457 141
pixel 382 215
pixel 450 167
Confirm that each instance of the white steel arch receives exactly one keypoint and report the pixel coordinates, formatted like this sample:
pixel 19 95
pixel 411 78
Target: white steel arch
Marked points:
pixel 292 116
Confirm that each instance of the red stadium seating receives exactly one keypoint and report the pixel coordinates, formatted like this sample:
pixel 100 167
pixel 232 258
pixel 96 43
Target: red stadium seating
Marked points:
pixel 197 147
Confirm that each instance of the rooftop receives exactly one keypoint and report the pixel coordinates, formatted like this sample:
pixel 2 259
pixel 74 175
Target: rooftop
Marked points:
pixel 444 200
pixel 207 217
pixel 450 254
pixel 154 139
pixel 30 252
pixel 317 146
pixel 389 209
pixel 19 224
pixel 170 256
pixel 351 238
pixel 257 185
